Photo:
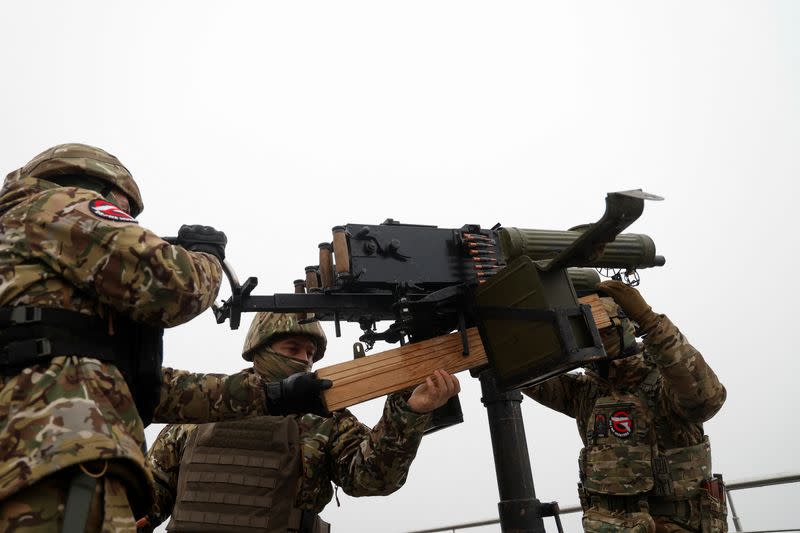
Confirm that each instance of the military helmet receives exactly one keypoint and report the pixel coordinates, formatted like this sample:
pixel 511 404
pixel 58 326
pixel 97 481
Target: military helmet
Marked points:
pixel 82 159
pixel 270 327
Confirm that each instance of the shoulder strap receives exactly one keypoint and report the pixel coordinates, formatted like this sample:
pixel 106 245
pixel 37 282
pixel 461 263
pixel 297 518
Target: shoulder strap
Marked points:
pixel 79 500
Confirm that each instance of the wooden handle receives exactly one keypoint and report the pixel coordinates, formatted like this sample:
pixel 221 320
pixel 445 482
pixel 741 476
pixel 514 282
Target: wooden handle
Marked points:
pixel 601 318
pixel 398 369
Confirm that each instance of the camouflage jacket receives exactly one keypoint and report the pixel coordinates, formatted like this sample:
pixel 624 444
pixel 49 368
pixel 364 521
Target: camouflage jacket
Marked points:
pixel 686 394
pixel 338 449
pixel 54 252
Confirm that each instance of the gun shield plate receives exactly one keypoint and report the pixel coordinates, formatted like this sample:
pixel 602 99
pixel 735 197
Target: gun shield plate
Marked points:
pixel 532 325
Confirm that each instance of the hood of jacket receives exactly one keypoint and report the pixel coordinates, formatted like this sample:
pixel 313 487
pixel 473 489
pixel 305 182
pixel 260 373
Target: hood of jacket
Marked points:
pixel 18 188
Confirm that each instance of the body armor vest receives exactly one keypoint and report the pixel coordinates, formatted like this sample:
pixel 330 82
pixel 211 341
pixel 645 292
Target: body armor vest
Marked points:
pixel 34 335
pixel 622 456
pixel 241 477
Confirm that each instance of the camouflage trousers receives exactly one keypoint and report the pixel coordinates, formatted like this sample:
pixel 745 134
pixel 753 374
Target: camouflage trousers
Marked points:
pixel 597 521
pixel 702 514
pixel 40 507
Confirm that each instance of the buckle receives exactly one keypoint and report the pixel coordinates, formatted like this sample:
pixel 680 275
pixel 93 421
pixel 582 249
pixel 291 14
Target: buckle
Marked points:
pixel 26 315
pixel 27 352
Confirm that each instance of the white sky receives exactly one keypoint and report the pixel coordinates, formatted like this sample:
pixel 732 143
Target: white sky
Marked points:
pixel 276 121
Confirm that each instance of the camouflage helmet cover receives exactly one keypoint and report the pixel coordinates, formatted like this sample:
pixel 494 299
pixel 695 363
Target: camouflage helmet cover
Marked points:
pixel 268 327
pixel 87 160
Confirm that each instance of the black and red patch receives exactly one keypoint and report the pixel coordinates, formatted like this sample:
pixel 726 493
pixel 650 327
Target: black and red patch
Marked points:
pixel 621 423
pixel 600 426
pixel 107 210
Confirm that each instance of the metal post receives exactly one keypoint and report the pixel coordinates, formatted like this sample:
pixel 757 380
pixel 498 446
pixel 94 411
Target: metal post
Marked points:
pixel 736 523
pixel 519 509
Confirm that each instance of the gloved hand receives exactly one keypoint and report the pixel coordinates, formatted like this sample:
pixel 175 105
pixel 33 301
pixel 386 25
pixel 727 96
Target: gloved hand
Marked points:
pixel 199 238
pixel 297 394
pixel 628 298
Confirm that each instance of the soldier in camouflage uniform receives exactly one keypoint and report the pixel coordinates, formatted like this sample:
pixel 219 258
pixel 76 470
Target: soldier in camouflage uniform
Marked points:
pixel 646 463
pixel 240 476
pixel 84 293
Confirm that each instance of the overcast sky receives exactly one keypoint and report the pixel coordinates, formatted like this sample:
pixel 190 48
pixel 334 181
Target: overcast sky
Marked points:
pixel 276 121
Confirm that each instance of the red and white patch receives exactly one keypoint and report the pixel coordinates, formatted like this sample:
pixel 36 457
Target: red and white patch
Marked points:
pixel 109 211
pixel 621 424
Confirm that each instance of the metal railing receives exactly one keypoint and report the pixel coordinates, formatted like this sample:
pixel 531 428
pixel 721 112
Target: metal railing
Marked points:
pixel 779 479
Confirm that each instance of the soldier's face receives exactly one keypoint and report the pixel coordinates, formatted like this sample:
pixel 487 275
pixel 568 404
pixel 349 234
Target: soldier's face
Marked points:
pixel 297 347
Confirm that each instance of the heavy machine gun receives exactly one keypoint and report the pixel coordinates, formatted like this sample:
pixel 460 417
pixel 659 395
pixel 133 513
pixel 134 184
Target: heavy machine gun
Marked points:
pixel 518 286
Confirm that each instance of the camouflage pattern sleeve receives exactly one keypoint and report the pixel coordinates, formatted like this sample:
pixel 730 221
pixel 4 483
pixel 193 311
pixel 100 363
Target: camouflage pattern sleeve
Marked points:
pixel 562 393
pixel 376 462
pixel 164 460
pixel 66 412
pixel 690 385
pixel 127 267
pixel 187 397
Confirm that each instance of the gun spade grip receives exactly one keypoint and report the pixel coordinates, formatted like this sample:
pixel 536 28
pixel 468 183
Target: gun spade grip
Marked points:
pixel 628 250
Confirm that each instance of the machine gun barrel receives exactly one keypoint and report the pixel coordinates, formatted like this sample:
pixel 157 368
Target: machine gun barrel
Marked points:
pixel 628 250
pixel 599 245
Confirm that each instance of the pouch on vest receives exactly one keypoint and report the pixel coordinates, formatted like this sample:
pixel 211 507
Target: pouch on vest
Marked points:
pixel 713 510
pixel 596 521
pixel 686 469
pixel 618 456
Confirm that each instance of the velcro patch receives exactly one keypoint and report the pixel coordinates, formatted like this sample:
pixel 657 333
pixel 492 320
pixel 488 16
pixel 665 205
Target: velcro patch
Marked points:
pixel 107 210
pixel 600 427
pixel 621 424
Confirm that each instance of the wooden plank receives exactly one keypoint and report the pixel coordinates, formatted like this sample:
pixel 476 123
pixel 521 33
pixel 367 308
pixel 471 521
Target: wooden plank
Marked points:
pixel 394 370
pixel 601 318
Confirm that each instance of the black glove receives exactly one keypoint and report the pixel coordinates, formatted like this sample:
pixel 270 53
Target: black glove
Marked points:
pixel 199 238
pixel 297 394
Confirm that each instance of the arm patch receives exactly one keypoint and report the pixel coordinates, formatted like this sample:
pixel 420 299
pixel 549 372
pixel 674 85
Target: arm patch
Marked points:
pixel 108 211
